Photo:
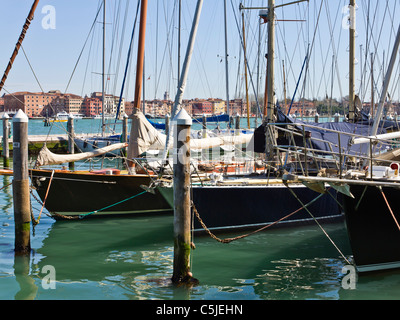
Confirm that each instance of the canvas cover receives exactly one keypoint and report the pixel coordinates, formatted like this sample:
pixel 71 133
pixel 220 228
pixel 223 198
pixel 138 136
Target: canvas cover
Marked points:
pixel 46 157
pixel 145 137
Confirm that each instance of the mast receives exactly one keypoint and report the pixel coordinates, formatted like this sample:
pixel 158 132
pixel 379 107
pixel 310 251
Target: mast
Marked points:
pixel 284 86
pixel 140 57
pixel 185 70
pixel 179 39
pixel 19 43
pixel 352 59
pixel 245 72
pixel 270 61
pixel 372 86
pixel 103 98
pixel 226 66
pixel 139 71
pixel 386 85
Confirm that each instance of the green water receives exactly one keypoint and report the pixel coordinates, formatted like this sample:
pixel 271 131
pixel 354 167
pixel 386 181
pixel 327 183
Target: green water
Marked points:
pixel 132 259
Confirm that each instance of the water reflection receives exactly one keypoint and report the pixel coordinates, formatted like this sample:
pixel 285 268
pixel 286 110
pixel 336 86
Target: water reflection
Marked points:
pixel 124 252
pixel 27 286
pixel 6 203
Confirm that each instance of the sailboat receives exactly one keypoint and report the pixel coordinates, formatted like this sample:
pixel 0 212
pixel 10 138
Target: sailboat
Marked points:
pixel 369 181
pixel 249 201
pixel 68 194
pixel 75 194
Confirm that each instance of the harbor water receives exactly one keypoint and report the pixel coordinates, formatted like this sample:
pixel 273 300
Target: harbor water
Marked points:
pixel 131 258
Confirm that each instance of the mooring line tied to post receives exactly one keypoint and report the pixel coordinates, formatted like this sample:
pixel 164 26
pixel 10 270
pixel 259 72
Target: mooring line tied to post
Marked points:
pixel 228 240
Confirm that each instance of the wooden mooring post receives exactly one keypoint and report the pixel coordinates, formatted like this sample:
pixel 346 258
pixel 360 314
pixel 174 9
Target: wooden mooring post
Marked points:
pixel 6 146
pixel 182 216
pixel 21 195
pixel 125 119
pixel 71 140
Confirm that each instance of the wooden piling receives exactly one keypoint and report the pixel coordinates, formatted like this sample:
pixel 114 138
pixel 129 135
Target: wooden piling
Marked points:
pixel 124 133
pixel 21 195
pixel 237 124
pixel 182 216
pixel 167 118
pixel 204 120
pixel 71 140
pixel 6 146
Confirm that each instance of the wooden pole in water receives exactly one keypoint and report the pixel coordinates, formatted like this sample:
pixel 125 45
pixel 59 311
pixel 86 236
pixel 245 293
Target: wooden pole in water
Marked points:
pixel 182 216
pixel 6 146
pixel 204 125
pixel 237 124
pixel 167 118
pixel 71 140
pixel 124 132
pixel 21 196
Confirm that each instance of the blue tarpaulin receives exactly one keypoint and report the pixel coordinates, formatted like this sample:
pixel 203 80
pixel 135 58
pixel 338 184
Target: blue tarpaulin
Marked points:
pixel 219 118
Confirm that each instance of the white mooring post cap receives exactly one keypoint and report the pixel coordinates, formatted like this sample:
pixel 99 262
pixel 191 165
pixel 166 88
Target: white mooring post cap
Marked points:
pixel 20 116
pixel 5 116
pixel 182 118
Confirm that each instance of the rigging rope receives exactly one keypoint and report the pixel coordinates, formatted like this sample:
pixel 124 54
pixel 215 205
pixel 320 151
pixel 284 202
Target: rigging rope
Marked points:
pixel 319 225
pixel 84 45
pixel 390 209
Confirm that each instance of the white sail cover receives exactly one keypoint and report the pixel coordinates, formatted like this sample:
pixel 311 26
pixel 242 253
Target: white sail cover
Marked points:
pixel 146 137
pixel 46 157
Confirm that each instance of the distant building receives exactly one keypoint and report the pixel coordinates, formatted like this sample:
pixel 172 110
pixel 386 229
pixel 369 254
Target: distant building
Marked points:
pixel 304 108
pixel 110 103
pixel 129 107
pixel 73 104
pixel 32 104
pixel 218 106
pixel 91 106
pixel 236 106
pixel 201 106
pixel 187 105
pixel 1 104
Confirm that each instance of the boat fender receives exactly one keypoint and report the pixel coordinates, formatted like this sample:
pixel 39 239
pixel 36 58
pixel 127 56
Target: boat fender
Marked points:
pixel 395 166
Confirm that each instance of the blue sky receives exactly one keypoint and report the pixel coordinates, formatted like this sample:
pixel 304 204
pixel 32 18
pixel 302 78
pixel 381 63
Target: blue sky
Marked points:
pixel 53 53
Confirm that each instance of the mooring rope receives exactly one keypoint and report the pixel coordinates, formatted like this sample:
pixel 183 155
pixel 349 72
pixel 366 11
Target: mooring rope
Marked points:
pixel 45 198
pixel 228 240
pixel 81 216
pixel 7 185
pixel 390 209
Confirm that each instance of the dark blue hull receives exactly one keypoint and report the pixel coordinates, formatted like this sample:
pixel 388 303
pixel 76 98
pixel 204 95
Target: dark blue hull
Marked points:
pixel 234 207
pixel 373 233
